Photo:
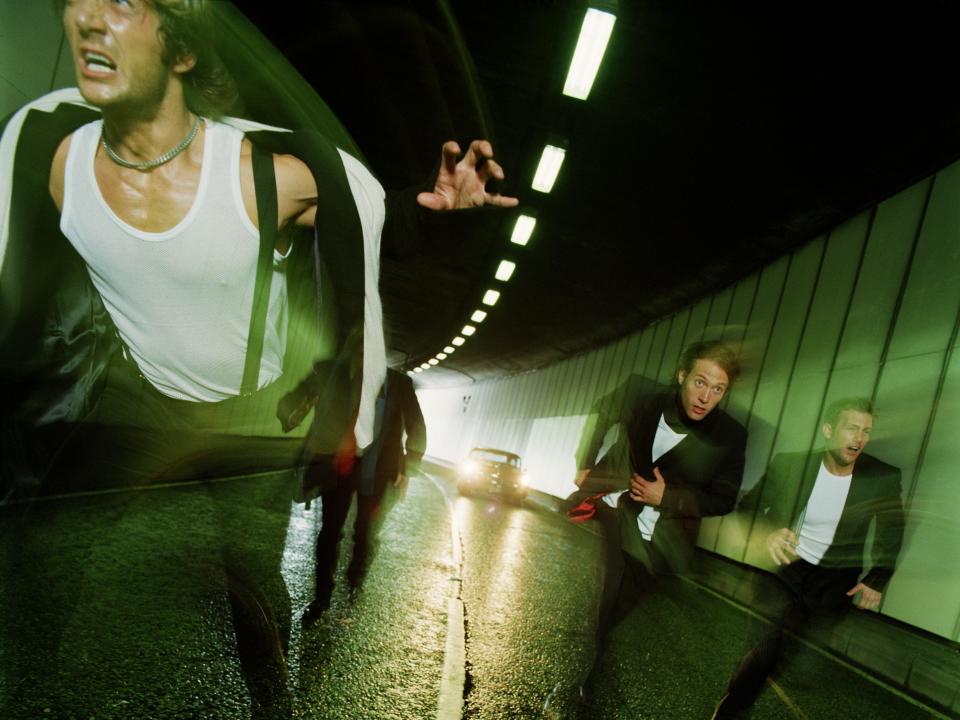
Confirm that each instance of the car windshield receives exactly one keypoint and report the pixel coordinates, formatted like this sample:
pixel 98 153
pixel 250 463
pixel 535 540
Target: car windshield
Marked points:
pixel 495 456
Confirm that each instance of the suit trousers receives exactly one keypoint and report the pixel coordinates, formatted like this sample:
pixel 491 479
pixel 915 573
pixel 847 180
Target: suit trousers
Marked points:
pixel 800 593
pixel 335 507
pixel 625 580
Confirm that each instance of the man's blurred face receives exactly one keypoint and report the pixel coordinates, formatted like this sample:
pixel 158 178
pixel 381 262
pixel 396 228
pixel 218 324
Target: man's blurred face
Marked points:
pixel 117 51
pixel 848 437
pixel 702 388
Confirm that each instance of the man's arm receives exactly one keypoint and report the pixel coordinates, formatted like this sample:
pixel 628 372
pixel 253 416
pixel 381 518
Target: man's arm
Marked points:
pixel 419 216
pixel 459 184
pixel 606 412
pixel 757 522
pixel 58 172
pixel 887 540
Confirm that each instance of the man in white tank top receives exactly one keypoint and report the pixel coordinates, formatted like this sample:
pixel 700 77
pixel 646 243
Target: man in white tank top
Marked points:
pixel 160 202
pixel 811 513
pixel 142 178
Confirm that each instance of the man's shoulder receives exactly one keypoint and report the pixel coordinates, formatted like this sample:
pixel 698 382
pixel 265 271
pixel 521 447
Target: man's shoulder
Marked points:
pixel 641 389
pixel 721 430
pixel 310 150
pixel 872 465
pixel 55 114
pixel 729 426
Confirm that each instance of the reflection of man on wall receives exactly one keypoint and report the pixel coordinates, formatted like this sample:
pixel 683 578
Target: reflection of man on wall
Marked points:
pixel 387 462
pixel 685 461
pixel 813 512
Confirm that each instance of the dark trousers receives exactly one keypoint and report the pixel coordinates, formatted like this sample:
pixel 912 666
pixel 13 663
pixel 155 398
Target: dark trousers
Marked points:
pixel 801 592
pixel 626 578
pixel 335 506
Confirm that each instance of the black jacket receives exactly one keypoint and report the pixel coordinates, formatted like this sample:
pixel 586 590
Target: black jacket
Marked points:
pixel 702 473
pixel 401 414
pixel 780 497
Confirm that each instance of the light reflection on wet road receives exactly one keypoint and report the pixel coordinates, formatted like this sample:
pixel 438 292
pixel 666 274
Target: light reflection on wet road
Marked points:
pixel 114 607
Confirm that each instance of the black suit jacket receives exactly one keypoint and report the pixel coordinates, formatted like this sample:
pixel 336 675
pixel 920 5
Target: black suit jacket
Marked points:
pixel 401 413
pixel 702 473
pixel 780 497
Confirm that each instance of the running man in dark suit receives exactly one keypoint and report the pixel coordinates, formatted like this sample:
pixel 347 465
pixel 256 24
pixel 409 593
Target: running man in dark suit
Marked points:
pixel 680 459
pixel 811 513
pixel 387 462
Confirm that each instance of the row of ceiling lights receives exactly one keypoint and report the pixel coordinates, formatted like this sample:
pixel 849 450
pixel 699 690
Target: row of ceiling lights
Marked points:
pixel 591 45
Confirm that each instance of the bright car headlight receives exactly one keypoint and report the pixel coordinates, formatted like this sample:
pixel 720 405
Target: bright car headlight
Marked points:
pixel 469 467
pixel 524 479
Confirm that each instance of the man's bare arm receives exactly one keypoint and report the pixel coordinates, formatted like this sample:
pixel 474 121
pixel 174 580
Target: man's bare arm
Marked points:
pixel 58 172
pixel 296 191
pixel 460 184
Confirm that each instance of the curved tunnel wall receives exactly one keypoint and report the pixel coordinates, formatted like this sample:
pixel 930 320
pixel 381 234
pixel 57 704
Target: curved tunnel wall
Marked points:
pixel 870 308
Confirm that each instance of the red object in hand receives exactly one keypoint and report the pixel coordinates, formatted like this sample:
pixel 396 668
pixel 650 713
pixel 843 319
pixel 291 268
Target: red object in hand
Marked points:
pixel 586 509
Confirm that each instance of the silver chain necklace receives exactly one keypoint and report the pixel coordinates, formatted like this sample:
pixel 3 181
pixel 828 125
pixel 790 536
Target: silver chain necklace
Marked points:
pixel 156 162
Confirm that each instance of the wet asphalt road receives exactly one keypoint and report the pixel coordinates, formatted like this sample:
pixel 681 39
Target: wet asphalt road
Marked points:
pixel 115 606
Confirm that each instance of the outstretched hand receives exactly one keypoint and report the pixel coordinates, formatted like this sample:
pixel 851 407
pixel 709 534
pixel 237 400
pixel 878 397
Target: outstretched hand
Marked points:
pixel 463 184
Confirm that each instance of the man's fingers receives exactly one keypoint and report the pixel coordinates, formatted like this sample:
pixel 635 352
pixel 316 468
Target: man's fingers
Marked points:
pixel 449 155
pixel 503 201
pixel 490 169
pixel 657 475
pixel 432 201
pixel 478 151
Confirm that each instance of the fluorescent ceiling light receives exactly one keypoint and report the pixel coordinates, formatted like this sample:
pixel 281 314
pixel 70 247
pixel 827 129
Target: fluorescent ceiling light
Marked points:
pixel 441 356
pixel 449 349
pixel 468 330
pixel 424 366
pixel 458 341
pixel 478 316
pixel 523 229
pixel 418 369
pixel 490 297
pixel 594 36
pixel 548 169
pixel 505 270
pixel 433 361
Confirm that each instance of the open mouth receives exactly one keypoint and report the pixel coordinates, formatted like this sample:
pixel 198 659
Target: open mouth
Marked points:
pixel 97 62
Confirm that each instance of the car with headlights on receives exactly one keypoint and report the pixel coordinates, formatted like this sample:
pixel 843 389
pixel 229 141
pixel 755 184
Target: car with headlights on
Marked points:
pixel 494 472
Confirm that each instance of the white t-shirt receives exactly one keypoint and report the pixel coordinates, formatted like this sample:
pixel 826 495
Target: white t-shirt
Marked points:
pixel 818 523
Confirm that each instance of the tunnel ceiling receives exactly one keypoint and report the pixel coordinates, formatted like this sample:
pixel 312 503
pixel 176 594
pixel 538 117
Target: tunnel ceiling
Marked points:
pixel 717 137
